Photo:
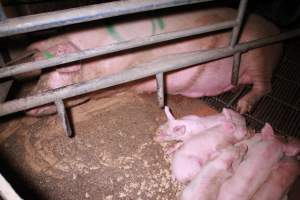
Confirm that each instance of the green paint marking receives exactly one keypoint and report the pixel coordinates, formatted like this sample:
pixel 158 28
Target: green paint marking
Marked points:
pixel 157 22
pixel 48 55
pixel 161 23
pixel 153 26
pixel 112 31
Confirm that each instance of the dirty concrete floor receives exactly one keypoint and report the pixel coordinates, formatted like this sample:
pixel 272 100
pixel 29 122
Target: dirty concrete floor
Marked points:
pixel 112 156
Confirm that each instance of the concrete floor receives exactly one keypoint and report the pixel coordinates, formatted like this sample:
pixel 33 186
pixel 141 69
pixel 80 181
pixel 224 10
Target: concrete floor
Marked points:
pixel 112 156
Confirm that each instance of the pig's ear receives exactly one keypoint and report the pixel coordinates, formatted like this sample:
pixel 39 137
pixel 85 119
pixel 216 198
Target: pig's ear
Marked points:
pixel 229 127
pixel 227 113
pixel 179 130
pixel 169 114
pixel 267 131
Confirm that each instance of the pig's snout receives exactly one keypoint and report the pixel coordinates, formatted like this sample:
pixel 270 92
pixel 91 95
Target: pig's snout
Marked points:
pixel 161 136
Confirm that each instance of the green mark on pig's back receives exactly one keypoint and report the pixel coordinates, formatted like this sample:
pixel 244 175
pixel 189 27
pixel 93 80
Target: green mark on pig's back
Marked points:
pixel 48 55
pixel 157 21
pixel 112 32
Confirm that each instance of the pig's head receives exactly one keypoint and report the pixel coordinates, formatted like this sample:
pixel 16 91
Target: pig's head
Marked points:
pixel 172 130
pixel 178 129
pixel 233 118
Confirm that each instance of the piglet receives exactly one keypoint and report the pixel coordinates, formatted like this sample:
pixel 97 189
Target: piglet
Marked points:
pixel 282 177
pixel 255 168
pixel 197 150
pixel 184 128
pixel 207 183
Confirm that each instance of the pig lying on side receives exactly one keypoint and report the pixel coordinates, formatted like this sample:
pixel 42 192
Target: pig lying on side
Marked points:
pixel 207 183
pixel 199 149
pixel 206 79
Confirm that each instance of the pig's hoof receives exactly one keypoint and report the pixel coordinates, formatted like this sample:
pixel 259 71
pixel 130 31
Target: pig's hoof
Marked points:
pixel 244 106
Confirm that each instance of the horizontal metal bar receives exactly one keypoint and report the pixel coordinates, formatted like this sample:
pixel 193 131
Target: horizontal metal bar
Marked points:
pixel 89 53
pixel 163 64
pixel 84 14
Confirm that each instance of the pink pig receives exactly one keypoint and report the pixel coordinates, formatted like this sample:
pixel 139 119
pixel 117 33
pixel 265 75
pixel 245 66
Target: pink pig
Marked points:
pixel 186 127
pixel 199 149
pixel 206 79
pixel 281 178
pixel 256 167
pixel 207 183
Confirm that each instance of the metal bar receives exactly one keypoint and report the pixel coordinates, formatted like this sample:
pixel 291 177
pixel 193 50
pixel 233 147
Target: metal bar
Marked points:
pixel 4 85
pixel 234 39
pixel 6 191
pixel 61 110
pixel 163 64
pixel 31 66
pixel 160 89
pixel 236 68
pixel 2 13
pixel 84 14
pixel 239 20
pixel 235 97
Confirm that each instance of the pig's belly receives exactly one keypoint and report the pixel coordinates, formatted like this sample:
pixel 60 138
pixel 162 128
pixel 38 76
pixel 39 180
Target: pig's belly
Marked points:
pixel 208 79
pixel 214 80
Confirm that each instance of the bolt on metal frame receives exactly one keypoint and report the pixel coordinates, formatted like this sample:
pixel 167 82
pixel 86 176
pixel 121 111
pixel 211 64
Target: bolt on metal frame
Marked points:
pixel 162 65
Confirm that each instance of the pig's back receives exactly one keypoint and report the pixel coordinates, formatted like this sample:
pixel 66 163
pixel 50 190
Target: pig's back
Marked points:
pixel 85 38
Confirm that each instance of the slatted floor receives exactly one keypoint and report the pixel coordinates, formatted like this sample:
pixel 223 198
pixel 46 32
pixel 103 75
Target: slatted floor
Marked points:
pixel 281 107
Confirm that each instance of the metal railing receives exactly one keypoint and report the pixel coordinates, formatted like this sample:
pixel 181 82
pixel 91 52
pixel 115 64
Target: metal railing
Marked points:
pixel 162 65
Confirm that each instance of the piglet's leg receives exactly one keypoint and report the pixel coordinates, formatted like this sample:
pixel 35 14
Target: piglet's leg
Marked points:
pixel 173 148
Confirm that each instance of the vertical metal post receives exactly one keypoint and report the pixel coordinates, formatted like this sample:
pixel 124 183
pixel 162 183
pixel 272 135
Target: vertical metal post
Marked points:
pixel 160 89
pixel 234 39
pixel 5 85
pixel 2 14
pixel 64 117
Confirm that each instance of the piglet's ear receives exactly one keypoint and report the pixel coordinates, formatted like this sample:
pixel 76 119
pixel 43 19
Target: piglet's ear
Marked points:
pixel 229 127
pixel 267 131
pixel 169 114
pixel 179 130
pixel 226 112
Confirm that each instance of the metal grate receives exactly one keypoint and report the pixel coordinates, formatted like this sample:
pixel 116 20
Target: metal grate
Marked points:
pixel 281 108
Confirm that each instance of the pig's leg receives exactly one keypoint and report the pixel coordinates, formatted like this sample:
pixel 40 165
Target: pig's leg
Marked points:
pixel 259 73
pixel 173 148
pixel 259 89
